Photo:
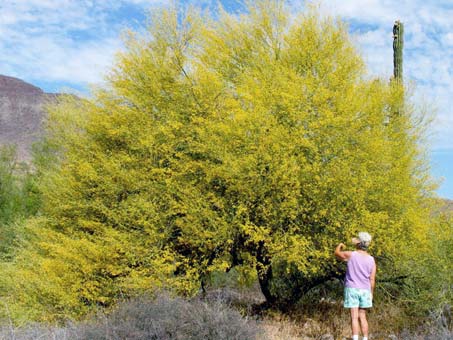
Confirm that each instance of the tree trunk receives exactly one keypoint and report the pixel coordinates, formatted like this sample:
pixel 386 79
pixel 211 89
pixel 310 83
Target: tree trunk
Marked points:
pixel 264 270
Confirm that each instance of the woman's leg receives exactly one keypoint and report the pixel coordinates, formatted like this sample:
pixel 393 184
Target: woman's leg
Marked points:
pixel 355 322
pixel 363 322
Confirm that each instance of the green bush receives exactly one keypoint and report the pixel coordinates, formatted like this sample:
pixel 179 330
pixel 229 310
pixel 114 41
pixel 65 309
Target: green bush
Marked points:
pixel 430 288
pixel 19 197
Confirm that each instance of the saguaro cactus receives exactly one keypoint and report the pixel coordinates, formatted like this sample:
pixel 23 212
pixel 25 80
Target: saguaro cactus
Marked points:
pixel 398 42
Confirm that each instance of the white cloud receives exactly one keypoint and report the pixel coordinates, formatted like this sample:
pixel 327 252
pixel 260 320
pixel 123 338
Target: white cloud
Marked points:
pixel 62 41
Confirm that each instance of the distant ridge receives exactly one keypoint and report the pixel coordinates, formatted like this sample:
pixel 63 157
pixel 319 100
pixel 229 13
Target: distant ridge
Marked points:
pixel 14 86
pixel 21 114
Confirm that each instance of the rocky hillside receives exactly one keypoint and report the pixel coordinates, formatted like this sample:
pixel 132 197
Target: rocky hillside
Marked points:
pixel 21 114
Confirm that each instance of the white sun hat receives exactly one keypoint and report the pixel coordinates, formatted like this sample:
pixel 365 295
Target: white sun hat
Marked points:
pixel 363 238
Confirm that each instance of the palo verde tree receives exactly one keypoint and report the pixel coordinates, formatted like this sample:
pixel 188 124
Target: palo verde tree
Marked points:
pixel 255 141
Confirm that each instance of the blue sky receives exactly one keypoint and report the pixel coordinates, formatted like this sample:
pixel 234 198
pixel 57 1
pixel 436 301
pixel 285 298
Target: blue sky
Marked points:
pixel 70 44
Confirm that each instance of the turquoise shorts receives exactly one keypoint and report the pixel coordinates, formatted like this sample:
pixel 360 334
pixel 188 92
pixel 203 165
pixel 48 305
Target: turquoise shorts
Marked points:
pixel 356 297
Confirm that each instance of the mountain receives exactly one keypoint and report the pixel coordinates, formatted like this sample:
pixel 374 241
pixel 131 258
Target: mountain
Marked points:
pixel 21 114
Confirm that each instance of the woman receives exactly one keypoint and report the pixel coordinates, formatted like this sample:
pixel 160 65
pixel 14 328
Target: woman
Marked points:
pixel 359 282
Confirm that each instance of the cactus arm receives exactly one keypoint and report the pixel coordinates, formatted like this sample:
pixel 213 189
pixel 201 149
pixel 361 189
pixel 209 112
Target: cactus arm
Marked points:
pixel 398 44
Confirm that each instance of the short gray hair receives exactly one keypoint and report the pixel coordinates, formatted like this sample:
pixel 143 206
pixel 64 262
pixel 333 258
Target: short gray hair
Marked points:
pixel 365 240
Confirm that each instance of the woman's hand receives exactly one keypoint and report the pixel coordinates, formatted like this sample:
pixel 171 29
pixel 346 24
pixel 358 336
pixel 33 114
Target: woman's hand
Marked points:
pixel 342 246
pixel 341 254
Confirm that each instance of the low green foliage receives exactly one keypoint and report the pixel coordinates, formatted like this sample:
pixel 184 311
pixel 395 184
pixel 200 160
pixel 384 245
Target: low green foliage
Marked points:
pixel 19 198
pixel 15 187
pixel 430 287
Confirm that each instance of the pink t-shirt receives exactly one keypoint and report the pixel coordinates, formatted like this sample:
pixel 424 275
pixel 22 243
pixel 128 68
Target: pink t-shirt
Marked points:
pixel 359 271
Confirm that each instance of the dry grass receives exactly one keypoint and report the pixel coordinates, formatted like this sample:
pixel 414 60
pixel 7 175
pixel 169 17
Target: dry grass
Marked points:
pixel 331 321
pixel 281 329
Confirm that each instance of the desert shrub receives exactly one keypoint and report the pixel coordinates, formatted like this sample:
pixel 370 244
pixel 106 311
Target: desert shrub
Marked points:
pixel 38 331
pixel 148 318
pixel 429 290
pixel 170 318
pixel 433 329
pixel 19 198
pixel 436 334
pixel 19 195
